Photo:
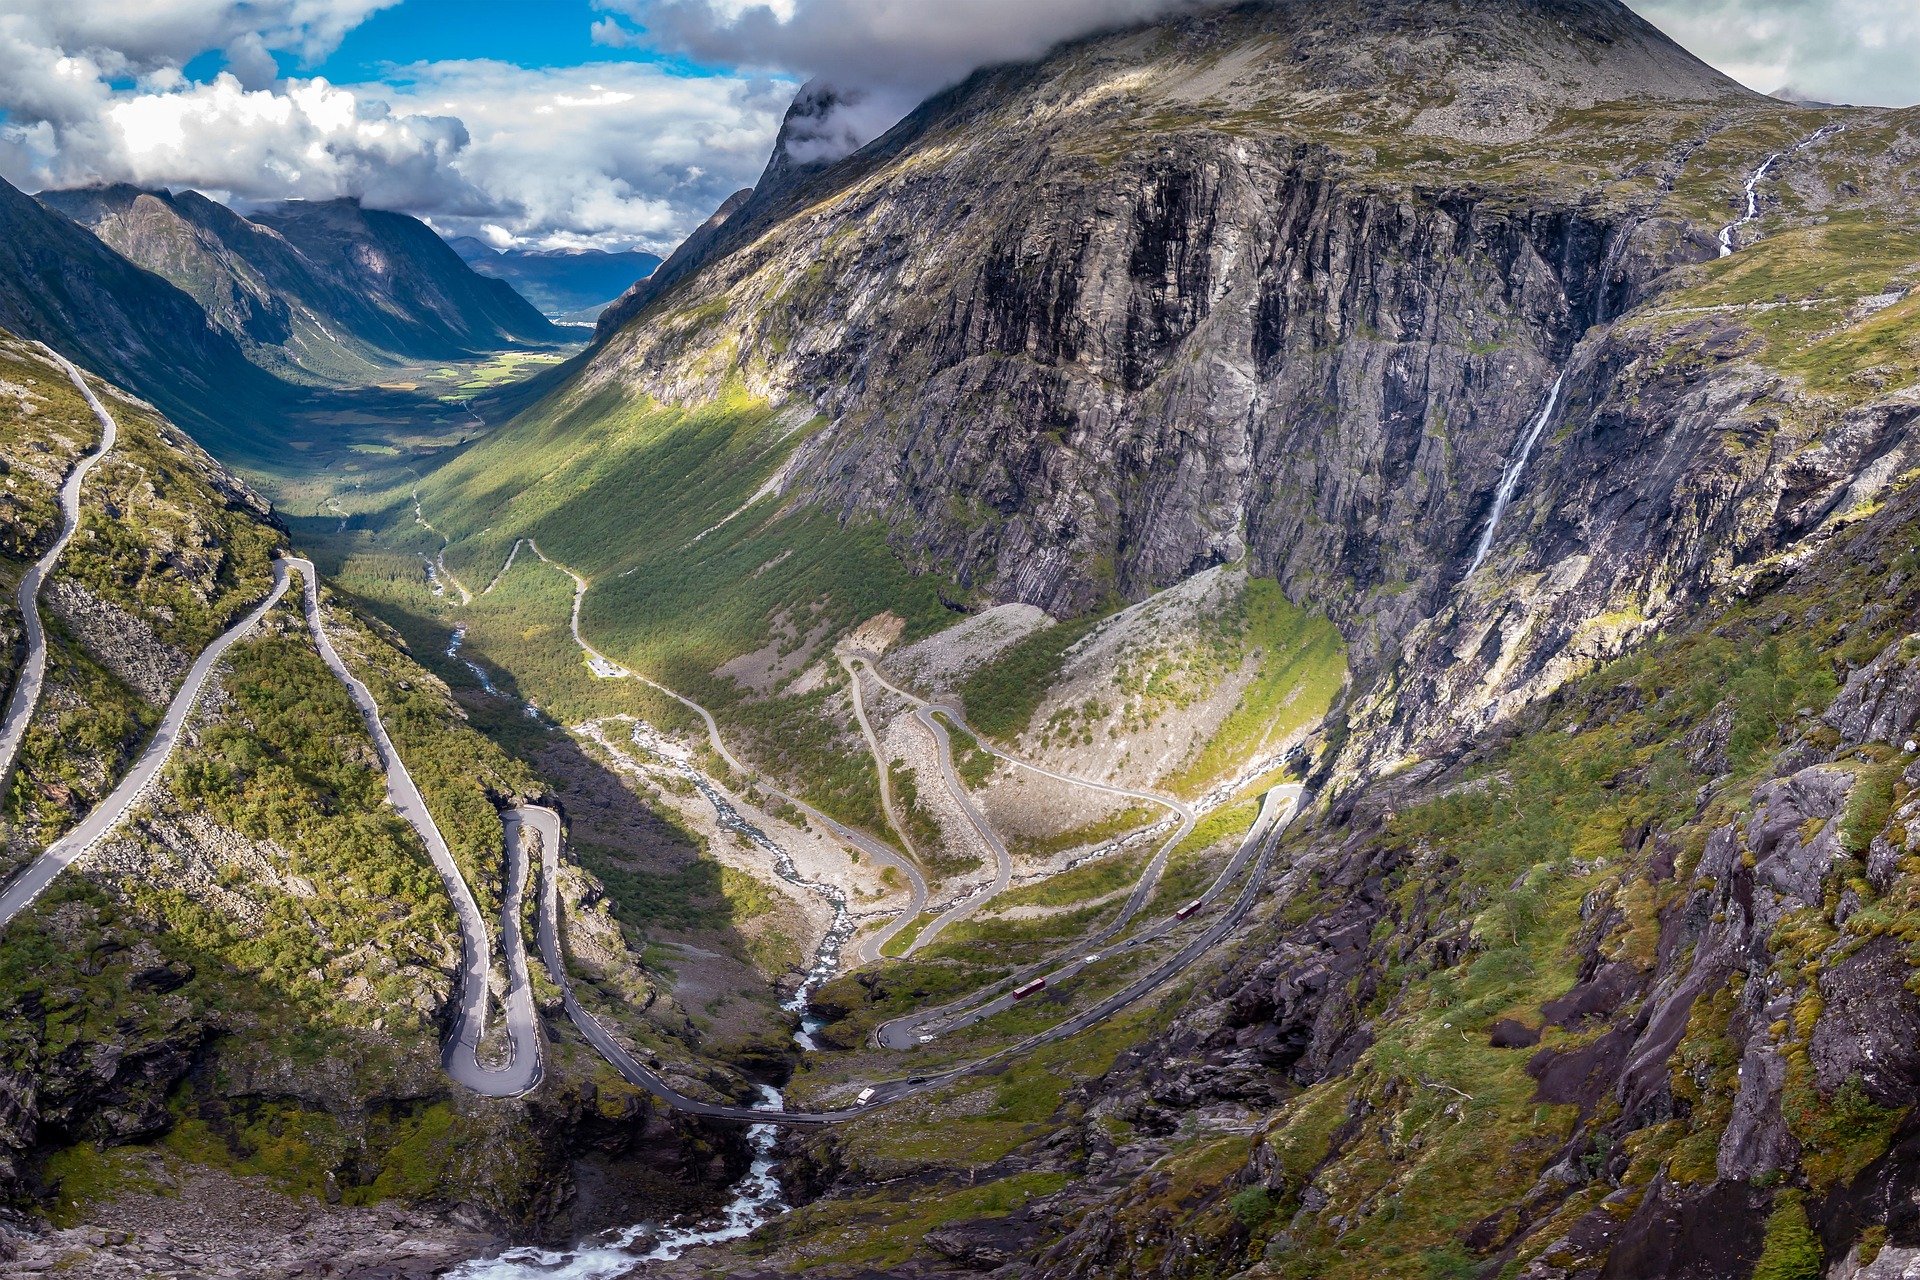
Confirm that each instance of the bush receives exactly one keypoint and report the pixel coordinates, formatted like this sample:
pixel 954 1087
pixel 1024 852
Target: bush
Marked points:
pixel 1869 808
pixel 1792 1250
pixel 1252 1206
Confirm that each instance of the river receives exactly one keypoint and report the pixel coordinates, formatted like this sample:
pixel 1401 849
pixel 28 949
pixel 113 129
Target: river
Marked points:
pixel 756 1197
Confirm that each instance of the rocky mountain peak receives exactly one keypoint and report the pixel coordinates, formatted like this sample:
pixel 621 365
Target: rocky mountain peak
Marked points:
pixel 1489 71
pixel 1294 278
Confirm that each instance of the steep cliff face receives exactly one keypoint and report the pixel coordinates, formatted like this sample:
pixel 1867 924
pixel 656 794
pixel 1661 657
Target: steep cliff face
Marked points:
pixel 1084 328
pixel 1624 990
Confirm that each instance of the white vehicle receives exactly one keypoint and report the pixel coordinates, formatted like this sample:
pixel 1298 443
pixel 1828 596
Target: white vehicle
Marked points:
pixel 1092 959
pixel 926 1039
pixel 866 1096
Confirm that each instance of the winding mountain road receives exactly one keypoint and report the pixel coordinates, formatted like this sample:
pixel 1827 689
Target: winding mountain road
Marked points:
pixel 1259 841
pixel 865 844
pixel 461 1053
pixel 96 826
pixel 924 711
pixel 905 1032
pixel 26 689
pixel 524 1067
pixel 545 824
pixel 1002 860
pixel 607 669
pixel 880 763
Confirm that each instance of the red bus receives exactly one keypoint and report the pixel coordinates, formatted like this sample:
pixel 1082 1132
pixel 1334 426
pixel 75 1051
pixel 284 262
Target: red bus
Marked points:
pixel 1022 992
pixel 1187 910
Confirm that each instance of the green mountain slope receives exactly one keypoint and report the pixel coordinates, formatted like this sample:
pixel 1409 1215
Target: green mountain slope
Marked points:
pixel 330 291
pixel 61 285
pixel 248 978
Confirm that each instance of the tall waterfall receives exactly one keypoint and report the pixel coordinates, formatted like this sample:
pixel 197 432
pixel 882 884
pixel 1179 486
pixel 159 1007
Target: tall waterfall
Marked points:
pixel 1510 480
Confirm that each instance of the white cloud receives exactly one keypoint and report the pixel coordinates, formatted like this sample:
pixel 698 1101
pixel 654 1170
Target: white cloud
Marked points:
pixel 132 36
pixel 897 45
pixel 624 153
pixel 1863 52
pixel 872 60
pixel 308 139
pixel 620 153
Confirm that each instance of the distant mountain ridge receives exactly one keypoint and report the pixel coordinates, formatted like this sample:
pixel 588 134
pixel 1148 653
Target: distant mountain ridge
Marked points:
pixel 565 284
pixel 312 290
pixel 62 286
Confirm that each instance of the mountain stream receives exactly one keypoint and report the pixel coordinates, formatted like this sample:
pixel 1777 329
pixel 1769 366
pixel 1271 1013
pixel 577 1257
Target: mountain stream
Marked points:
pixel 757 1196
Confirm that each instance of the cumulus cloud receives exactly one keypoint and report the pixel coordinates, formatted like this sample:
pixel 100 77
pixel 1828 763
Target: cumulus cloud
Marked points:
pixel 1863 52
pixel 306 139
pixel 131 39
pixel 65 68
pixel 909 45
pixel 626 153
pixel 882 57
pixel 622 153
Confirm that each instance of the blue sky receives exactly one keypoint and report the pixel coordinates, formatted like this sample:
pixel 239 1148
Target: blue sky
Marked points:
pixel 528 33
pixel 552 123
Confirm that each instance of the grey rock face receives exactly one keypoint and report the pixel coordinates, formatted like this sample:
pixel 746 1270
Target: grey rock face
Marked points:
pixel 1756 1140
pixel 1784 861
pixel 1091 326
pixel 1881 701
pixel 1870 1027
pixel 121 642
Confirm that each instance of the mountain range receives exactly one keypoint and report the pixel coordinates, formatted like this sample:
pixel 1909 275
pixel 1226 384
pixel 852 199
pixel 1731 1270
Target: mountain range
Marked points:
pixel 320 290
pixel 1284 643
pixel 566 284
pixel 60 284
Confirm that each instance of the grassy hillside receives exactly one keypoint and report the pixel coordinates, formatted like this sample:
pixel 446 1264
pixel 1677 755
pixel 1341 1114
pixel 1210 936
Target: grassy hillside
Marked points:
pixel 663 512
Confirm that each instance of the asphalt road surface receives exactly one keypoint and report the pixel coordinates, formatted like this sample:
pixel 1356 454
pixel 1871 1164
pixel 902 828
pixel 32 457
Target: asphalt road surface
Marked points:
pixel 461 1054
pixel 97 825
pixel 26 689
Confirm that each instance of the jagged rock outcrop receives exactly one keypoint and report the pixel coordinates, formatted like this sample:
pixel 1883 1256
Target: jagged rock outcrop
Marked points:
pixel 1296 283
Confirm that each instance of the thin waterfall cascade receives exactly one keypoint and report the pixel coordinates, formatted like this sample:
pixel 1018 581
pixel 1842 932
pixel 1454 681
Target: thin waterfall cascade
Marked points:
pixel 1752 215
pixel 1753 204
pixel 1516 467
